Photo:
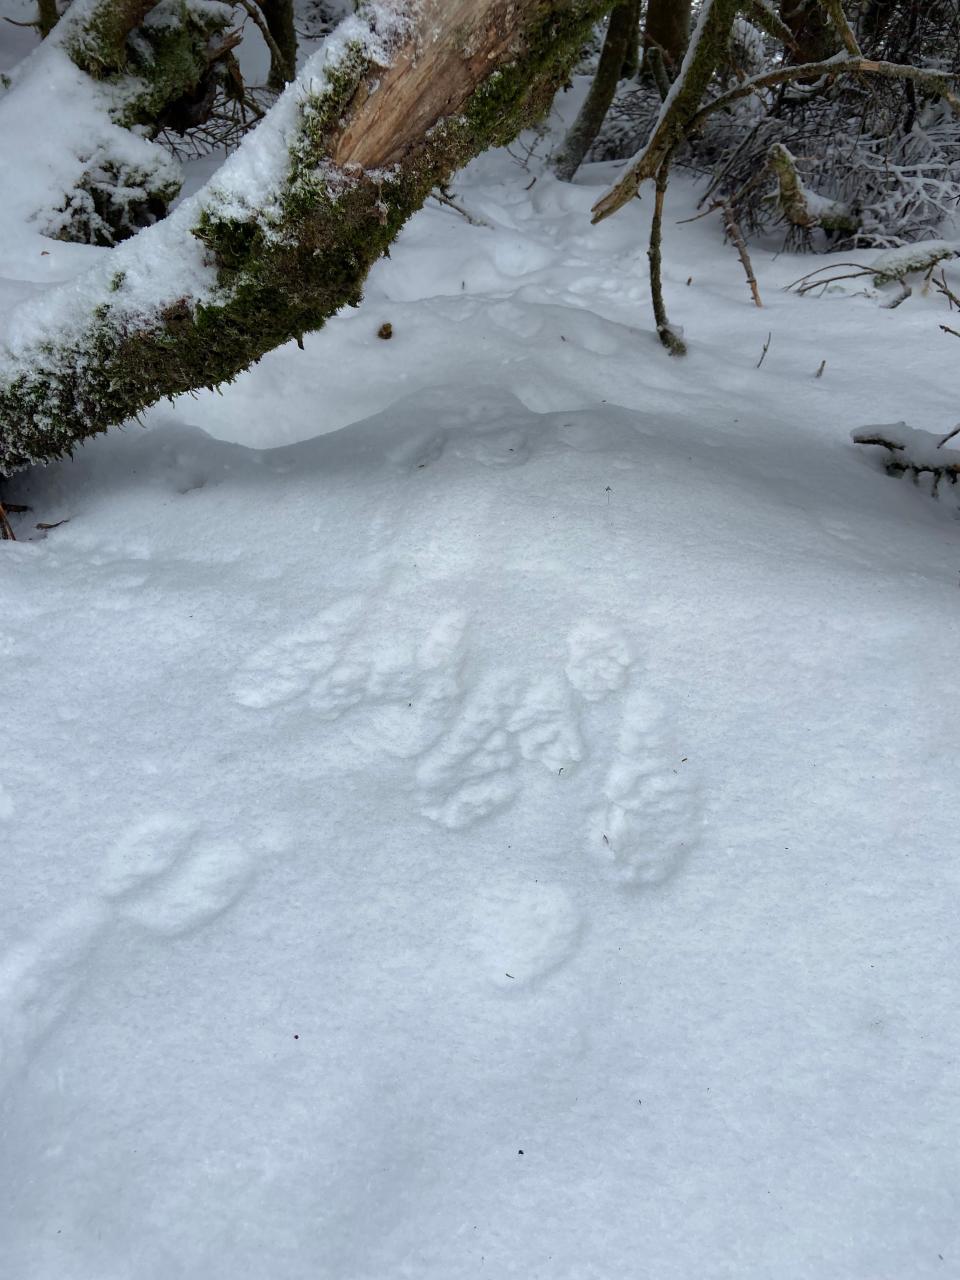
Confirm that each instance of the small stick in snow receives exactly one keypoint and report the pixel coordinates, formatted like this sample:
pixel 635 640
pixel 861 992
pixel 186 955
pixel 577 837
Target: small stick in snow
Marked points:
pixel 946 329
pixel 735 236
pixel 474 219
pixel 902 296
pixel 766 348
pixel 6 529
pixel 810 281
pixel 819 373
pixel 944 288
pixel 949 436
pixel 665 332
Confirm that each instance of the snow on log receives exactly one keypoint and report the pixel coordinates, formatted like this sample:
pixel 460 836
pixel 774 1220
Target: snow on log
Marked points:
pixel 402 94
pixel 913 452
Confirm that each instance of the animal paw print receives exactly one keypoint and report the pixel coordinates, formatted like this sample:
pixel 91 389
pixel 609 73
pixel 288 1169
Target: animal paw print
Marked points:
pixel 521 932
pixel 471 771
pixel 651 818
pixel 599 660
pixel 289 665
pixel 39 977
pixel 171 877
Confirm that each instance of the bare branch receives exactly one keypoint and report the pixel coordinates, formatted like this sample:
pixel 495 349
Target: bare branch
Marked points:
pixel 838 20
pixel 735 236
pixel 665 331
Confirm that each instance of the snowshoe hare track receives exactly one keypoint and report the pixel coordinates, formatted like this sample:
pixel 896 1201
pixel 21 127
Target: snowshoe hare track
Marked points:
pixel 169 876
pixel 650 821
pixel 165 874
pixel 39 976
pixel 407 697
pixel 599 660
pixel 521 933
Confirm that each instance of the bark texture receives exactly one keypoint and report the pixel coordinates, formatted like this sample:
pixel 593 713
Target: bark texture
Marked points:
pixel 367 145
pixel 706 54
pixel 615 53
pixel 278 15
pixel 802 207
pixel 814 35
pixel 47 16
pixel 667 28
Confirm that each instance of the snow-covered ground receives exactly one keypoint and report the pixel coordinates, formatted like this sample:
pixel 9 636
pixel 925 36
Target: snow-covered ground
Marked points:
pixel 479 803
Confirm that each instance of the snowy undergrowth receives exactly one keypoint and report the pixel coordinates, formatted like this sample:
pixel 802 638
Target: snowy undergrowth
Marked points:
pixel 473 804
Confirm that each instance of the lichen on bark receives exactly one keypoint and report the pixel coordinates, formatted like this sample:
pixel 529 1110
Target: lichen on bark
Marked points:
pixel 802 207
pixel 621 31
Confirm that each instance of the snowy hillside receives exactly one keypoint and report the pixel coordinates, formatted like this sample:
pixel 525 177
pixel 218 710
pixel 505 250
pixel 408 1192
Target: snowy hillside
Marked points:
pixel 477 804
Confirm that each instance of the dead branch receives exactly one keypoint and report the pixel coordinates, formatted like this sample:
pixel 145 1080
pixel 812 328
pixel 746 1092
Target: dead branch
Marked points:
pixel 6 529
pixel 666 333
pixel 257 18
pixel 735 236
pixel 766 348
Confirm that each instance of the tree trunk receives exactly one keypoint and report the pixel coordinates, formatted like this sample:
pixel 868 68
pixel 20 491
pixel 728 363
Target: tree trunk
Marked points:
pixel 47 16
pixel 710 44
pixel 278 15
pixel 814 36
pixel 616 46
pixel 128 81
pixel 667 28
pixel 631 63
pixel 284 238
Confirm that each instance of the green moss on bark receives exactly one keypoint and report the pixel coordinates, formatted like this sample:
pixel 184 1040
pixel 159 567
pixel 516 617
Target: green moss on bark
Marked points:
pixel 282 270
pixel 616 50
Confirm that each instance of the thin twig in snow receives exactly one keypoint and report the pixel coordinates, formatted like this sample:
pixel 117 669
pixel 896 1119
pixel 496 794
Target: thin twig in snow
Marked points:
pixel 735 235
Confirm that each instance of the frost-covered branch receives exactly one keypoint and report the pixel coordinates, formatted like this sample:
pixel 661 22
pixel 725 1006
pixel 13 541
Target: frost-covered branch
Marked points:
pixel 936 83
pixel 913 452
pixel 801 206
pixel 402 94
pixel 682 114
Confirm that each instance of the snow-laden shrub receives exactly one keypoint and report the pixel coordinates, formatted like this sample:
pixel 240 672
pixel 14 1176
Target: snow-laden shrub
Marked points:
pixel 885 150
pixel 113 197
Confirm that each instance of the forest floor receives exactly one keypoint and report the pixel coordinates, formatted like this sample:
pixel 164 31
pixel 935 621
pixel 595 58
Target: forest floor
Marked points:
pixel 475 803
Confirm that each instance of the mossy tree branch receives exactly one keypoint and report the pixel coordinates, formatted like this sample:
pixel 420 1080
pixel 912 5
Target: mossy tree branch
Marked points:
pixel 367 138
pixel 801 207
pixel 936 83
pixel 97 42
pixel 764 18
pixel 137 67
pixel 616 49
pixel 665 331
pixel 838 20
pixel 704 55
